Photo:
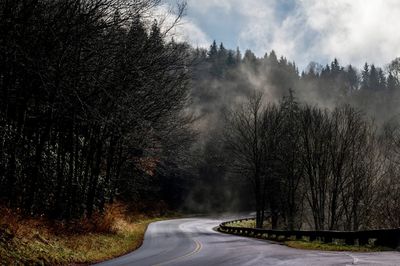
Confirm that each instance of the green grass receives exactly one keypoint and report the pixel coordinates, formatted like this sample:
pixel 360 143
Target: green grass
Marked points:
pixel 317 245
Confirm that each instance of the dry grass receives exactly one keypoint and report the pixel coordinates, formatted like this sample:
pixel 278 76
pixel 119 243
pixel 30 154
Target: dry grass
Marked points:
pixel 38 241
pixel 250 224
pixel 246 224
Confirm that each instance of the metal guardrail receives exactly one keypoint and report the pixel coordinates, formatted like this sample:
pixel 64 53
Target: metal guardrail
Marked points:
pixel 381 237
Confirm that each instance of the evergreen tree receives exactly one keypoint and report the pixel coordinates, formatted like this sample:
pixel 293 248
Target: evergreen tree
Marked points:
pixel 392 83
pixel 250 59
pixel 373 78
pixel 352 78
pixel 230 60
pixel 222 52
pixel 200 54
pixel 222 58
pixel 213 58
pixel 365 77
pixel 283 61
pixel 273 58
pixel 213 52
pixel 238 55
pixel 326 72
pixel 381 80
pixel 335 68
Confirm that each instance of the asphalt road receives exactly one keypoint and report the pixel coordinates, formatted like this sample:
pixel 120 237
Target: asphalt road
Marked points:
pixel 194 242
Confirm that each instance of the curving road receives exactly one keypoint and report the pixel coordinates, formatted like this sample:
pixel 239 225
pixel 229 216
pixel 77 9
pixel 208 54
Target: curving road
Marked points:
pixel 194 242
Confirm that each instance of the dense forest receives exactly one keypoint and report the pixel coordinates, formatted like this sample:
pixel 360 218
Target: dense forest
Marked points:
pixel 92 105
pixel 316 149
pixel 98 103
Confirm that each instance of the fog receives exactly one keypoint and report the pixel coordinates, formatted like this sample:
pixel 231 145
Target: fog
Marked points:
pixel 223 79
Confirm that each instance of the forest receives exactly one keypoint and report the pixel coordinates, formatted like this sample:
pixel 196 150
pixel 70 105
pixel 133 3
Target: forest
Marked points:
pixel 99 103
pixel 310 150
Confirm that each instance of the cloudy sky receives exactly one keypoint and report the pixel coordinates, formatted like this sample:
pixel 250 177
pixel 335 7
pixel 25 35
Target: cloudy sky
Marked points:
pixel 354 31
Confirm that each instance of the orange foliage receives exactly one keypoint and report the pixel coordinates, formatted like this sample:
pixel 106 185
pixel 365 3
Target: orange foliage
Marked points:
pixel 102 222
pixel 17 224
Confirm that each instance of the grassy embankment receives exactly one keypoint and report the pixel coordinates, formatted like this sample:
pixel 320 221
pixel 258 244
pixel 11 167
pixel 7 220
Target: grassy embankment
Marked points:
pixel 37 241
pixel 315 245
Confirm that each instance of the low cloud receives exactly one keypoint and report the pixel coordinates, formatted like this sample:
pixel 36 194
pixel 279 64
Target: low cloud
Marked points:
pixel 354 31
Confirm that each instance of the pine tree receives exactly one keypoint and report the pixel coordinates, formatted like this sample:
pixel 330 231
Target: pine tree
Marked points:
pixel 326 72
pixel 213 52
pixel 381 79
pixel 392 83
pixel 222 52
pixel 273 58
pixel 250 58
pixel 230 59
pixel 238 56
pixel 213 58
pixel 352 78
pixel 365 77
pixel 335 67
pixel 373 78
pixel 221 64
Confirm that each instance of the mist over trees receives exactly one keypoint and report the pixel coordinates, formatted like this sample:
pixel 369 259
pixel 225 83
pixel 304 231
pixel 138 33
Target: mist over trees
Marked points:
pixel 309 167
pixel 312 147
pixel 98 103
pixel 225 74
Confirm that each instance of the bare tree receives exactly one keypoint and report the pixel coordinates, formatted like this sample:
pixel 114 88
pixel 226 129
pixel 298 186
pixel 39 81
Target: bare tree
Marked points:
pixel 243 139
pixel 291 167
pixel 84 87
pixel 316 133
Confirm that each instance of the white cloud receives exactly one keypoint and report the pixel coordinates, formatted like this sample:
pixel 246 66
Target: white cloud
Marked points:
pixel 204 6
pixel 354 31
pixel 188 31
pixel 185 30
